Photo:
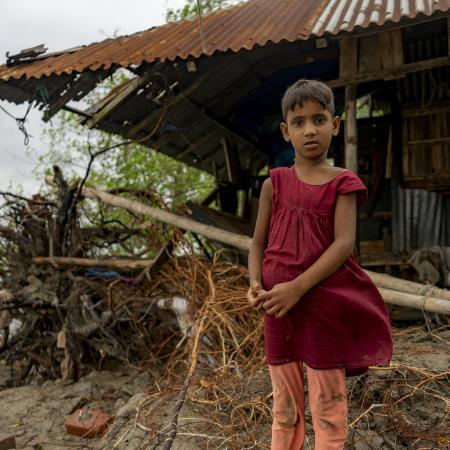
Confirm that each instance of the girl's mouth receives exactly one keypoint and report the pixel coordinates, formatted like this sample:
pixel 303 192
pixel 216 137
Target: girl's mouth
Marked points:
pixel 311 144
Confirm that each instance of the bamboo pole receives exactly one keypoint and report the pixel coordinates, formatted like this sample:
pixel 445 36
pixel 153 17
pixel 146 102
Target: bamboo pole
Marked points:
pixel 350 129
pixel 90 262
pixel 396 297
pixel 430 304
pixel 185 223
pixel 383 280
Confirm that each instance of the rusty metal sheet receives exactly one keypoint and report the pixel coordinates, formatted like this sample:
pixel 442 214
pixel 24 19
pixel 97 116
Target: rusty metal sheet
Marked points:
pixel 243 26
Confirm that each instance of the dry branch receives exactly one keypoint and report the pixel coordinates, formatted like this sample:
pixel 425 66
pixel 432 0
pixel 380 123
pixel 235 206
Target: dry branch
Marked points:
pixel 383 280
pixel 90 262
pixel 423 303
pixel 184 223
pixel 405 293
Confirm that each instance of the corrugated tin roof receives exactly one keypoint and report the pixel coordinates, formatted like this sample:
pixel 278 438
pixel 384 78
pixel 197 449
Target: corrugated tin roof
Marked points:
pixel 255 22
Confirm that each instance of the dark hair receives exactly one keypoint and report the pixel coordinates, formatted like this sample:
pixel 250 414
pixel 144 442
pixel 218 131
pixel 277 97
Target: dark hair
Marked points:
pixel 303 90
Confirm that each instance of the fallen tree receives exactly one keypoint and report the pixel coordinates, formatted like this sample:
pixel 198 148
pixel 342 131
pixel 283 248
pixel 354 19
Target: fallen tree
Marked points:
pixel 393 291
pixel 91 262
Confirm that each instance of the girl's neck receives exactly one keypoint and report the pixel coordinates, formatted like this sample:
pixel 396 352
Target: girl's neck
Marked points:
pixel 310 163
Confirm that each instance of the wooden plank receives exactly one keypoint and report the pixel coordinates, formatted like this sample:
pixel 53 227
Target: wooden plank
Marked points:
pixel 418 110
pixel 77 89
pixel 376 215
pixel 446 147
pixel 77 111
pixel 7 89
pixel 152 117
pixel 90 262
pixel 395 72
pixel 128 91
pixel 369 54
pixel 232 162
pixel 371 247
pixel 448 35
pixel 160 259
pixel 348 58
pixel 386 261
pixel 405 159
pixel 389 154
pixel 351 132
pixel 391 49
pixel 430 141
pixel 224 127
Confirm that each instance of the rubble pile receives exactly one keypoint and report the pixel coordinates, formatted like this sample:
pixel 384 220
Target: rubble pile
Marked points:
pixel 66 311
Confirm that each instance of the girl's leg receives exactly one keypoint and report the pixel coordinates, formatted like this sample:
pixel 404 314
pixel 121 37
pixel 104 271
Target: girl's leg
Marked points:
pixel 288 428
pixel 328 404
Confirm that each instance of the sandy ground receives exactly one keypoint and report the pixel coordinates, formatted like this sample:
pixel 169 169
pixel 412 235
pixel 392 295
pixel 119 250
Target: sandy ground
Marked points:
pixel 36 414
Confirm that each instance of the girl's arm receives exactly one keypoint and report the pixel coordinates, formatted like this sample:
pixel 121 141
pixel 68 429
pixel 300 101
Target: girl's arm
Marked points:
pixel 284 296
pixel 259 241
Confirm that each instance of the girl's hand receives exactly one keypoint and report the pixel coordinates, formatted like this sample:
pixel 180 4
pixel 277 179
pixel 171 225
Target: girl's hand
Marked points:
pixel 280 299
pixel 252 294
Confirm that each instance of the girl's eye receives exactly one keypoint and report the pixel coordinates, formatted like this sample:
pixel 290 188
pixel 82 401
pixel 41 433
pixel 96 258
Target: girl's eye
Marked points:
pixel 299 123
pixel 320 120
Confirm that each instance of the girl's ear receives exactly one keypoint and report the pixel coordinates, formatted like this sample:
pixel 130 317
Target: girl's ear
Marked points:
pixel 336 125
pixel 285 131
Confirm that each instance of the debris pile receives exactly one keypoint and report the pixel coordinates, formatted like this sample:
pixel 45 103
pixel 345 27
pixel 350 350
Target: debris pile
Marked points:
pixel 66 310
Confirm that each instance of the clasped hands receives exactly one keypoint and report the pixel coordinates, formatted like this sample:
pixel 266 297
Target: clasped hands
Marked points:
pixel 276 302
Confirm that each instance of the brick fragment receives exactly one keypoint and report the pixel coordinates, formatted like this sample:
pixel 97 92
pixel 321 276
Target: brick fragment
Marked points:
pixel 7 442
pixel 87 422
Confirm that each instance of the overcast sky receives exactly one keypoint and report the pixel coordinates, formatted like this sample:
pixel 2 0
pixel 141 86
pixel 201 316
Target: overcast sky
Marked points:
pixel 60 25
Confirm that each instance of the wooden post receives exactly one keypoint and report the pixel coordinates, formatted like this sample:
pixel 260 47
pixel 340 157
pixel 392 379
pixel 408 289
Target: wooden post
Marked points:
pixel 351 144
pixel 351 132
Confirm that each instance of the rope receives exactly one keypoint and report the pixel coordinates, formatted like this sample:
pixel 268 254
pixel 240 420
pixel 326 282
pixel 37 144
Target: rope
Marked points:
pixel 41 95
pixel 20 122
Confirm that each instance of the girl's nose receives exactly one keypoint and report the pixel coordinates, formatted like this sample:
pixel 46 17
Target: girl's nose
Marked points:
pixel 310 130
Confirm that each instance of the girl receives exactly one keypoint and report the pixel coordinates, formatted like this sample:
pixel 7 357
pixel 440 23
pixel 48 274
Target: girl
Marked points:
pixel 321 309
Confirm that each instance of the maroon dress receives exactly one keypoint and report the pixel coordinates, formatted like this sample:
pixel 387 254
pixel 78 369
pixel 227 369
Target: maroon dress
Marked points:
pixel 342 321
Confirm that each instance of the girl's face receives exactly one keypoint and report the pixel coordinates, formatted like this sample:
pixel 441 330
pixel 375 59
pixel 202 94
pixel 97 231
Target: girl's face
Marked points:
pixel 309 128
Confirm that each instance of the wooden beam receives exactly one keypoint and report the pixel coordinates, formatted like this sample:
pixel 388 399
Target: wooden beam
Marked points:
pixel 448 35
pixel 424 303
pixel 391 49
pixel 224 127
pixel 24 95
pixel 185 223
pixel 389 282
pixel 351 131
pixel 420 302
pixel 160 259
pixel 232 161
pixel 369 55
pixel 89 262
pixel 154 115
pixel 348 58
pixel 77 111
pixel 395 72
pixel 121 97
pixel 76 90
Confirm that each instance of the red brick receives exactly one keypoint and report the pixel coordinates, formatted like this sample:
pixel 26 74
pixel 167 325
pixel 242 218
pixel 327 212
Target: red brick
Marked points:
pixel 7 442
pixel 87 422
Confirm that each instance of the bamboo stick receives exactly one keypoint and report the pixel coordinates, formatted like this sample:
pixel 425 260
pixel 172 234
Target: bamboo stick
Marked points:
pixel 430 304
pixel 383 280
pixel 90 262
pixel 185 223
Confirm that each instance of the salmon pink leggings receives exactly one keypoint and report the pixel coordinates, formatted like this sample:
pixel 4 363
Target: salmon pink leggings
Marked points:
pixel 327 402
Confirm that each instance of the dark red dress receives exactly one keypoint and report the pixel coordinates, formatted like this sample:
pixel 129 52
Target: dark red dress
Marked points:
pixel 341 322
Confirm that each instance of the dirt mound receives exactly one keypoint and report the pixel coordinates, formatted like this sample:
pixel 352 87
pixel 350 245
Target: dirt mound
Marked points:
pixel 404 406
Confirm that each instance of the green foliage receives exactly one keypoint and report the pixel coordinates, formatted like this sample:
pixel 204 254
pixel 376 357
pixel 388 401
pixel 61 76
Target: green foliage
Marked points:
pixel 130 166
pixel 151 177
pixel 190 9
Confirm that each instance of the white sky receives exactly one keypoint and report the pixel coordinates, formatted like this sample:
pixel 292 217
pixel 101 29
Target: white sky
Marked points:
pixel 59 24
